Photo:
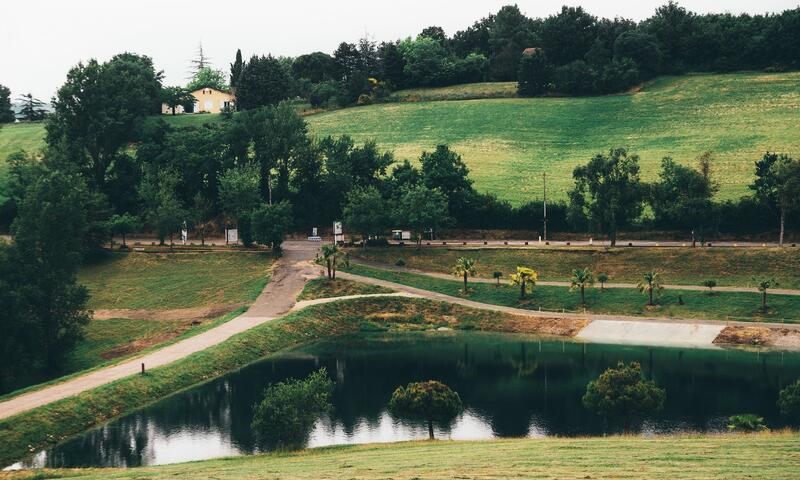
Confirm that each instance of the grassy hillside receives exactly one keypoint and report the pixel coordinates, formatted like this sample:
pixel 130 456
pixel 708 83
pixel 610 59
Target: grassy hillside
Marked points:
pixel 715 456
pixel 509 143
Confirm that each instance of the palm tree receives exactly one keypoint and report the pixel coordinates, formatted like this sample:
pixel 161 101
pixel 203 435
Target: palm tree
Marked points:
pixel 581 277
pixel 464 267
pixel 650 282
pixel 763 285
pixel 525 278
pixel 331 253
pixel 602 277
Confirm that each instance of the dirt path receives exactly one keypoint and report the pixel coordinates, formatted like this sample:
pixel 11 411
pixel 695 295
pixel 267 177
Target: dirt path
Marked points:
pixel 444 276
pixel 288 278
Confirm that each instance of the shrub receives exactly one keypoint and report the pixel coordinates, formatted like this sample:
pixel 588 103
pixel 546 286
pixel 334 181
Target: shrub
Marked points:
pixel 789 402
pixel 747 422
pixel 377 242
pixel 400 262
pixel 602 277
pixel 496 276
pixel 430 401
pixel 284 418
pixel 710 284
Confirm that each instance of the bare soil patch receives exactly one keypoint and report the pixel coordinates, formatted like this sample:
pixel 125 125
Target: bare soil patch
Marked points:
pixel 197 313
pixel 568 327
pixel 783 338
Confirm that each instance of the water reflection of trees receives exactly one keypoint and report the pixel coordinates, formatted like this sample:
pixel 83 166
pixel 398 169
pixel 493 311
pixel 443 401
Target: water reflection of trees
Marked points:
pixel 509 383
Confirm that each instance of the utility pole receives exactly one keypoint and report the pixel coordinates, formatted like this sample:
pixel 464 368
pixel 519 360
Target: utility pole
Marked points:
pixel 544 204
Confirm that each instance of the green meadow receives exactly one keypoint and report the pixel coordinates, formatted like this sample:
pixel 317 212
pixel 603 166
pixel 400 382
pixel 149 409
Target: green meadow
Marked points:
pixel 508 143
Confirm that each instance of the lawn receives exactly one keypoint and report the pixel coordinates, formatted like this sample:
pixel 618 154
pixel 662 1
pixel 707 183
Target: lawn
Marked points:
pixel 179 280
pixel 769 455
pixel 324 288
pixel 509 143
pixel 678 266
pixel 618 301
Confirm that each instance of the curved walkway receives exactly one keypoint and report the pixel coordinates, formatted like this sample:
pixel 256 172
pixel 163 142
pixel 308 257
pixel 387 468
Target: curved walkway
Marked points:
pixel 444 276
pixel 278 297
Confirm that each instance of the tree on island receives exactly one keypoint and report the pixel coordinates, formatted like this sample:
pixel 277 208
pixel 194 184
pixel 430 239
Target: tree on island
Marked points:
pixel 283 419
pixel 622 394
pixel 431 402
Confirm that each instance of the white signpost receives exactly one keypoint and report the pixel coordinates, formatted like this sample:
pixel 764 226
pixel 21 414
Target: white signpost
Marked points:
pixel 232 235
pixel 338 236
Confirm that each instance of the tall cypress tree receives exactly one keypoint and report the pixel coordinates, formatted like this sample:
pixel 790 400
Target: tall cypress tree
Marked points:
pixel 6 114
pixel 236 69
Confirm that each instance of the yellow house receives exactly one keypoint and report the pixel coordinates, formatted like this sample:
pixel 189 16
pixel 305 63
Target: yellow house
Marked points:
pixel 207 100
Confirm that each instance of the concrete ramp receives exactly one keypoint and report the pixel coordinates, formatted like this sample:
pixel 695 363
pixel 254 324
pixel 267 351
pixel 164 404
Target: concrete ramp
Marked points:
pixel 651 333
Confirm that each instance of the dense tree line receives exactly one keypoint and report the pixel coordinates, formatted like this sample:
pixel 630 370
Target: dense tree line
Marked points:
pixel 571 52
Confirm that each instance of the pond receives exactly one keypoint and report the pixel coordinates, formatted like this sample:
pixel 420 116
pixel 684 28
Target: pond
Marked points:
pixel 511 386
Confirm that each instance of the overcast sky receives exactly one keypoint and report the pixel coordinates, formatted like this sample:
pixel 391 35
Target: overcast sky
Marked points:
pixel 40 40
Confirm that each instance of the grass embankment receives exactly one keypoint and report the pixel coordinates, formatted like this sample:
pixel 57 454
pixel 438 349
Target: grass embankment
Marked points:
pixel 697 304
pixel 509 143
pixel 324 288
pixel 211 283
pixel 678 266
pixel 30 431
pixel 769 455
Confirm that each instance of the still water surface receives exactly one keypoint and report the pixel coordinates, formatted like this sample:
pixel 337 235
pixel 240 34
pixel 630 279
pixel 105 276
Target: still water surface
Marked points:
pixel 511 386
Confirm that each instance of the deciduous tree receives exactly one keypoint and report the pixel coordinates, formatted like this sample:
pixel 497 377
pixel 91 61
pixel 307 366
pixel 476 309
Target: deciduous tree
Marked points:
pixel 608 191
pixel 431 402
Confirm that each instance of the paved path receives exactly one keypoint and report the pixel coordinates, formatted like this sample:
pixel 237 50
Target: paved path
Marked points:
pixel 444 276
pixel 288 278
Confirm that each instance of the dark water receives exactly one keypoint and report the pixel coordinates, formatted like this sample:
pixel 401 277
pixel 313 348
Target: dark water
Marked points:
pixel 511 386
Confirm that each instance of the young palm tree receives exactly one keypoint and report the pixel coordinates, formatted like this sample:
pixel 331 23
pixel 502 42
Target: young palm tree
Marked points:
pixel 525 278
pixel 331 254
pixel 650 282
pixel 581 278
pixel 464 267
pixel 763 285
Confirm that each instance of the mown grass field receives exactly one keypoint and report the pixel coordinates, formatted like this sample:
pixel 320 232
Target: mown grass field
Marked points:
pixel 678 266
pixel 617 301
pixel 509 143
pixel 179 280
pixel 768 455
